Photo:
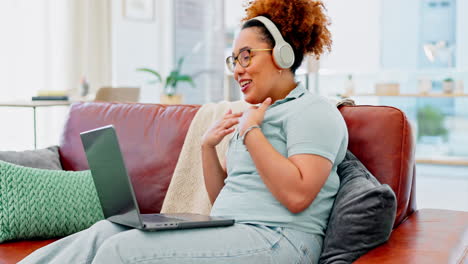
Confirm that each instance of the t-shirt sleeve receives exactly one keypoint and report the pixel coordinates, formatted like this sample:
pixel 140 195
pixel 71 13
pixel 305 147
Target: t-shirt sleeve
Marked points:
pixel 320 132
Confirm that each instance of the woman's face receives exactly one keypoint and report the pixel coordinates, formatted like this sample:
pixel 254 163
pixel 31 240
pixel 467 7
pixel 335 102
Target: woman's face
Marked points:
pixel 258 80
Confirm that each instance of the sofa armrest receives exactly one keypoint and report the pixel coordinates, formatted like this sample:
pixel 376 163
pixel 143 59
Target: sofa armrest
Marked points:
pixel 426 236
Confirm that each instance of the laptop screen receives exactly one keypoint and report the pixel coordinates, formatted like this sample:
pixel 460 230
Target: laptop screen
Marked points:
pixel 110 175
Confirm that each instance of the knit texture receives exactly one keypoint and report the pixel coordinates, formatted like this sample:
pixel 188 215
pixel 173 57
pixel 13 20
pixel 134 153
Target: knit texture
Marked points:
pixel 40 203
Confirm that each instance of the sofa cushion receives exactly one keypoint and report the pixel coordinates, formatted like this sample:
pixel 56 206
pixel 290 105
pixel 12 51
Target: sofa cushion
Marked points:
pixel 362 216
pixel 39 203
pixel 47 158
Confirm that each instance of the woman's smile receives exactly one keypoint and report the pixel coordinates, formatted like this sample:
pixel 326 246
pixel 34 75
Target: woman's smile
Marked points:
pixel 245 84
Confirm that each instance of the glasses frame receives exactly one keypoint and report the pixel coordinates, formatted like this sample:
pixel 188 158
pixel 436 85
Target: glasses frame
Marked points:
pixel 232 65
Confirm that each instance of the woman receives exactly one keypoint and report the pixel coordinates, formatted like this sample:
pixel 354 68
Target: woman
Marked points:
pixel 280 180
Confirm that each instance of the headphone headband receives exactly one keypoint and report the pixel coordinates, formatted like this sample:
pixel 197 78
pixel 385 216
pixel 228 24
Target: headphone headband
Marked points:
pixel 271 28
pixel 283 53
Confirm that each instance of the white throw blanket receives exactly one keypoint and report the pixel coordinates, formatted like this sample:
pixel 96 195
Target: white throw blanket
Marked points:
pixel 186 192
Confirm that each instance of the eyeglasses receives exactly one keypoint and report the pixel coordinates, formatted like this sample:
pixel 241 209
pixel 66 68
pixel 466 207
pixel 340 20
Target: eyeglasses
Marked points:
pixel 243 58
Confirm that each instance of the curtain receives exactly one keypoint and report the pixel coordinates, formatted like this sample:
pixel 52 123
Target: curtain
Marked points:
pixel 49 45
pixel 52 44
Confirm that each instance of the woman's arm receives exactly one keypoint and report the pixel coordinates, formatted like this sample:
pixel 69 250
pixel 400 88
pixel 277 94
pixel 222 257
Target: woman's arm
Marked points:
pixel 213 172
pixel 294 181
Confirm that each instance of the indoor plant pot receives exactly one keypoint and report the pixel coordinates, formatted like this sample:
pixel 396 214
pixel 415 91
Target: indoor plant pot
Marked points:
pixel 171 99
pixel 448 85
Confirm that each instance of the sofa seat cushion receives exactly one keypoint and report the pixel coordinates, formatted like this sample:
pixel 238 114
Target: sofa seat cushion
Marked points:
pixel 427 236
pixel 13 252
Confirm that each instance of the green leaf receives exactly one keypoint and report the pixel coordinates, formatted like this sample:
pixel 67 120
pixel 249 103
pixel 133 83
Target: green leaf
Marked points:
pixel 179 64
pixel 174 73
pixel 153 72
pixel 186 78
pixel 171 79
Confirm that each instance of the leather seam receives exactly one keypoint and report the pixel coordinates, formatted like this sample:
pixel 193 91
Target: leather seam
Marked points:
pixel 402 144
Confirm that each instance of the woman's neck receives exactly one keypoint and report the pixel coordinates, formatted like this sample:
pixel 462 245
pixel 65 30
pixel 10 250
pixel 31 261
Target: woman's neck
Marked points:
pixel 284 87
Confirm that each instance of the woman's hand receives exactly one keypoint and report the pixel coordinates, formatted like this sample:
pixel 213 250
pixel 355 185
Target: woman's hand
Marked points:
pixel 253 116
pixel 220 129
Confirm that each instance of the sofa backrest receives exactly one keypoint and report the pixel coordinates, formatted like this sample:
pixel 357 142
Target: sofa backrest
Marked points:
pixel 152 135
pixel 151 138
pixel 381 138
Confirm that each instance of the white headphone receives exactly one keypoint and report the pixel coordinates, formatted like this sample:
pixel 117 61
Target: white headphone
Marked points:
pixel 283 53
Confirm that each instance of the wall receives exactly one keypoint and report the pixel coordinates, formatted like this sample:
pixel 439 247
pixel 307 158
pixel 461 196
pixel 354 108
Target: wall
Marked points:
pixel 462 35
pixel 356 35
pixel 358 32
pixel 233 13
pixel 399 37
pixel 138 44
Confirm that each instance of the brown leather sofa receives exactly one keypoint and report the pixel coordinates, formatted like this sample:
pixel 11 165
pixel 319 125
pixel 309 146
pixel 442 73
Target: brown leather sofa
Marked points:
pixel 152 136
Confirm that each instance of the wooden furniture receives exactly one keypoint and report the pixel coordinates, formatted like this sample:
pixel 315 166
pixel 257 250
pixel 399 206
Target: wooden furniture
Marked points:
pixel 118 94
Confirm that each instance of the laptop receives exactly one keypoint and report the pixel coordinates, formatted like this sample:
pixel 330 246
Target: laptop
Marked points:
pixel 115 191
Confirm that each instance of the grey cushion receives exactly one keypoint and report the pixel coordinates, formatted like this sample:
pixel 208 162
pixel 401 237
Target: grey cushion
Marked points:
pixel 362 216
pixel 47 158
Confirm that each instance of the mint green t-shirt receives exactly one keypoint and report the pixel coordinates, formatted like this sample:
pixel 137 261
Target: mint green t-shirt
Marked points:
pixel 301 123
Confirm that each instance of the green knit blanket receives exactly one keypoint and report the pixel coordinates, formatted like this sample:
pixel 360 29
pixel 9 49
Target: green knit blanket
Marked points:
pixel 39 203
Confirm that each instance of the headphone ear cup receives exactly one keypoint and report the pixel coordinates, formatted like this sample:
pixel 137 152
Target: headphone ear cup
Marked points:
pixel 283 55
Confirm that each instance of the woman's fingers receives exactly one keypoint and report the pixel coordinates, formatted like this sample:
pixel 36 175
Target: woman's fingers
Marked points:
pixel 230 119
pixel 227 131
pixel 225 125
pixel 228 112
pixel 228 123
pixel 221 128
pixel 263 107
pixel 231 122
pixel 232 115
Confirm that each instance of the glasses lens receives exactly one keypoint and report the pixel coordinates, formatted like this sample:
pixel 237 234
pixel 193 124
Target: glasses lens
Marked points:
pixel 230 63
pixel 244 58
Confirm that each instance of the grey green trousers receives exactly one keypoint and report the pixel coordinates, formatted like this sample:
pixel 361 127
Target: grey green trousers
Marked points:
pixel 106 242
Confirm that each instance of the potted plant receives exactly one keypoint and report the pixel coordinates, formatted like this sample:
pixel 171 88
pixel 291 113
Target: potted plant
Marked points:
pixel 430 122
pixel 169 94
pixel 448 85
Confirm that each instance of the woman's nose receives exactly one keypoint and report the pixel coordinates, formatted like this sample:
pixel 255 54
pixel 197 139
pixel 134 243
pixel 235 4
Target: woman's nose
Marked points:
pixel 238 69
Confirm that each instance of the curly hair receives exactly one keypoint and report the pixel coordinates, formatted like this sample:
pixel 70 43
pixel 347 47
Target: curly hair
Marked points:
pixel 302 23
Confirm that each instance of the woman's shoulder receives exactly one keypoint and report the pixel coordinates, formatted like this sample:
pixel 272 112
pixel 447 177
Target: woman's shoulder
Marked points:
pixel 316 109
pixel 314 102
